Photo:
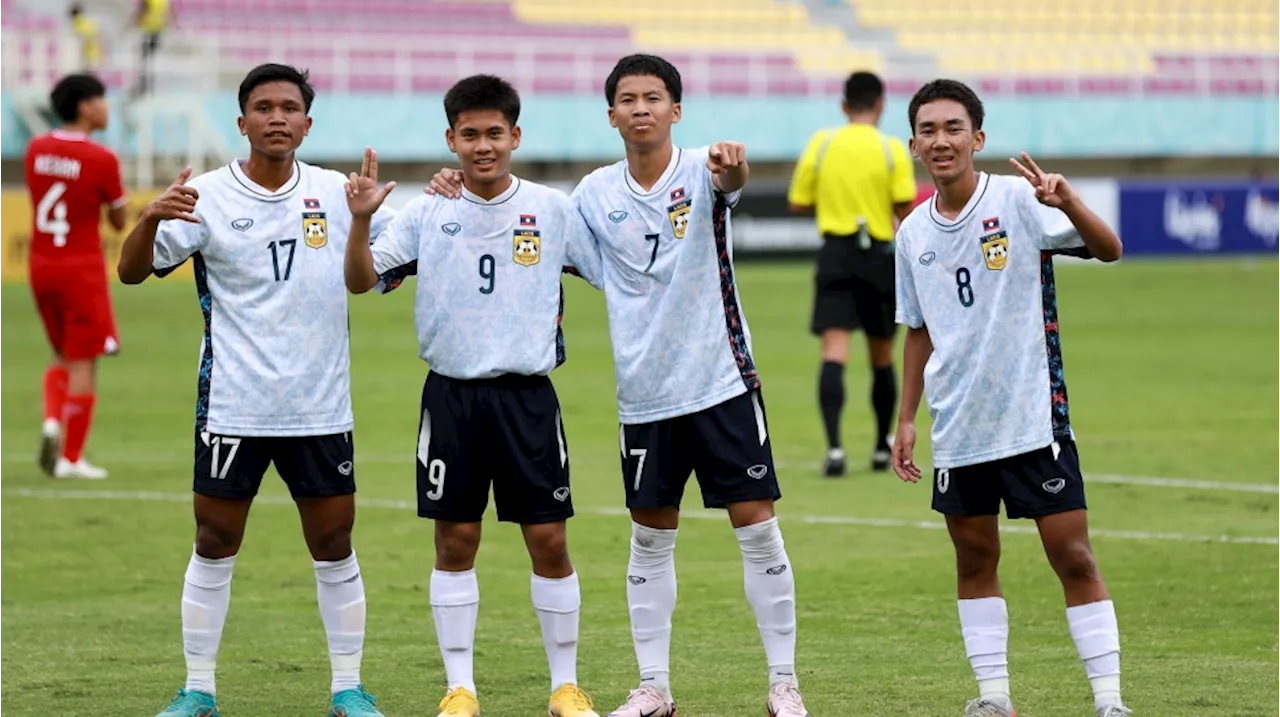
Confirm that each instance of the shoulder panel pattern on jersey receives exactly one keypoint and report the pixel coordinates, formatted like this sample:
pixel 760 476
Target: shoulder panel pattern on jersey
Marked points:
pixel 729 295
pixel 1053 344
pixel 206 357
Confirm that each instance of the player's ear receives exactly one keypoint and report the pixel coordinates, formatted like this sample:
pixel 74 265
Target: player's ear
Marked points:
pixel 675 113
pixel 979 140
pixel 911 145
pixel 240 124
pixel 448 138
pixel 613 119
pixel 306 129
pixel 515 137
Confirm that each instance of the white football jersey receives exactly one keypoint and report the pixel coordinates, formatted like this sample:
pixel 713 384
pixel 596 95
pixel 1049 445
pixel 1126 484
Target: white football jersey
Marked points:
pixel 489 300
pixel 983 285
pixel 680 340
pixel 275 358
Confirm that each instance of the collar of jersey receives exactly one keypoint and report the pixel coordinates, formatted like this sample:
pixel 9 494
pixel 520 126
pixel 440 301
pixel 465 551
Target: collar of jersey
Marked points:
pixel 69 136
pixel 510 192
pixel 948 225
pixel 662 182
pixel 260 192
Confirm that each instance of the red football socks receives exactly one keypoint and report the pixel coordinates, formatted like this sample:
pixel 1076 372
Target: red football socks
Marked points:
pixel 77 415
pixel 55 392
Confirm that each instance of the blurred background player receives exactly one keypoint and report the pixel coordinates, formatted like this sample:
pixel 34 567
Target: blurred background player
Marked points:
pixel 267 237
pixel 976 291
pixel 151 18
pixel 86 30
pixel 857 181
pixel 487 309
pixel 70 177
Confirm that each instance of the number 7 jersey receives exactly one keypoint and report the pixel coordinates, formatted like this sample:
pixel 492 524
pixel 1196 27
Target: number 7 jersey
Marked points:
pixel 983 285
pixel 275 357
pixel 680 339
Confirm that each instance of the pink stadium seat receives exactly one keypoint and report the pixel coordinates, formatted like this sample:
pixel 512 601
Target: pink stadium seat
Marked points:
pixel 423 45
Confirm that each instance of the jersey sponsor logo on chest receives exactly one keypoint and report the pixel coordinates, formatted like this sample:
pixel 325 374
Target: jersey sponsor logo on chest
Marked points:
pixel 678 212
pixel 315 228
pixel 527 244
pixel 995 245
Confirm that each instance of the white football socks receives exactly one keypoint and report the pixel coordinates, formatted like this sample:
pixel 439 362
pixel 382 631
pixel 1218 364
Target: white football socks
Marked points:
pixel 558 602
pixel 771 589
pixel 340 594
pixel 1097 637
pixel 206 596
pixel 984 623
pixel 651 600
pixel 455 604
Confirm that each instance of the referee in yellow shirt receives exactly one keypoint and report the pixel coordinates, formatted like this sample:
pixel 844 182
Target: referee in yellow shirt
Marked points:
pixel 856 180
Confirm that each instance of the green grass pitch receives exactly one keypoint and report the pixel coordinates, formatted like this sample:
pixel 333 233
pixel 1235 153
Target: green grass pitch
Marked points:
pixel 1172 373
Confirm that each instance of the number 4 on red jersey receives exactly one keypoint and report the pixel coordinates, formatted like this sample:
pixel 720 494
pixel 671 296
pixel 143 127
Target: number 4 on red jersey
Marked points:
pixel 70 177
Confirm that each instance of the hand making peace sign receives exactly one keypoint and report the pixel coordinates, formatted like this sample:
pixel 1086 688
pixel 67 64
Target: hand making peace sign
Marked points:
pixel 1052 190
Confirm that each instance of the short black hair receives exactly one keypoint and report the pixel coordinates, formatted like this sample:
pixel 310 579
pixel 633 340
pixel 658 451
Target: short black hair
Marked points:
pixel 862 90
pixel 640 64
pixel 75 9
pixel 947 90
pixel 71 91
pixel 482 92
pixel 273 72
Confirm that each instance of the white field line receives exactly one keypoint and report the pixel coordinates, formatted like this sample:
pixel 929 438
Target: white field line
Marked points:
pixel 121 495
pixel 375 459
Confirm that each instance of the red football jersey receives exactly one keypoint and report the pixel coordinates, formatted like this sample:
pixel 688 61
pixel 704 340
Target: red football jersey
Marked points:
pixel 70 177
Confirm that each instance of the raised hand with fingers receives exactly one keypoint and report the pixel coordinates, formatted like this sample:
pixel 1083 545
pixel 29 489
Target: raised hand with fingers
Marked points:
pixel 178 201
pixel 726 155
pixel 447 183
pixel 363 195
pixel 1052 190
pixel 904 447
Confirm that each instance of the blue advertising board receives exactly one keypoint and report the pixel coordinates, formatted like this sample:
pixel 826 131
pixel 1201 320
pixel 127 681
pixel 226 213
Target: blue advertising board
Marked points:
pixel 1194 217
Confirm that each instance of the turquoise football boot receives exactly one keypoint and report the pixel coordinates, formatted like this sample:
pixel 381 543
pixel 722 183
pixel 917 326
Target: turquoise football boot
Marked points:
pixel 190 703
pixel 354 703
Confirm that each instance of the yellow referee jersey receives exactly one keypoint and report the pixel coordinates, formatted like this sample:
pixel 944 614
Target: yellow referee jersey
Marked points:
pixel 155 16
pixel 853 173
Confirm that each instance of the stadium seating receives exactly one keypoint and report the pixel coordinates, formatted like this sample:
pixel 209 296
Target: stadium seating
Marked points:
pixel 1093 36
pixel 769 47
pixel 743 25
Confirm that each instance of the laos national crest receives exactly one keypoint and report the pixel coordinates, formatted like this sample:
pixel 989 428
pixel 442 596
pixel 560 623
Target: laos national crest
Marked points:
pixel 315 228
pixel 995 245
pixel 679 212
pixel 527 249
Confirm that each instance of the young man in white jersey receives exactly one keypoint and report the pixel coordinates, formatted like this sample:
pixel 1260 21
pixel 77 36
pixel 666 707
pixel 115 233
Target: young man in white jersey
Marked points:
pixel 976 291
pixel 267 237
pixel 688 392
pixel 487 308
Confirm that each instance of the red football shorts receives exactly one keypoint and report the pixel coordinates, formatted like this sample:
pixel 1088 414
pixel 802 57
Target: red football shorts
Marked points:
pixel 75 305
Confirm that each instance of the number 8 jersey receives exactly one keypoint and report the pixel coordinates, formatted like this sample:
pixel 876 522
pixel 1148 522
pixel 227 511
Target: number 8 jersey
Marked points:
pixel 983 285
pixel 275 357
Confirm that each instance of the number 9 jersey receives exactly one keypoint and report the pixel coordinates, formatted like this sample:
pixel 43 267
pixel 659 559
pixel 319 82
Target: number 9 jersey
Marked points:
pixel 275 358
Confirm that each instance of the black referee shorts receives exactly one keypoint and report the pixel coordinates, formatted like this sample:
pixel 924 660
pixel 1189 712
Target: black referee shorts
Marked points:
pixel 854 287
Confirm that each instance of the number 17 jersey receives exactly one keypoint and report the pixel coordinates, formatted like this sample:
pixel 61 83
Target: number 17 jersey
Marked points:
pixel 275 359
